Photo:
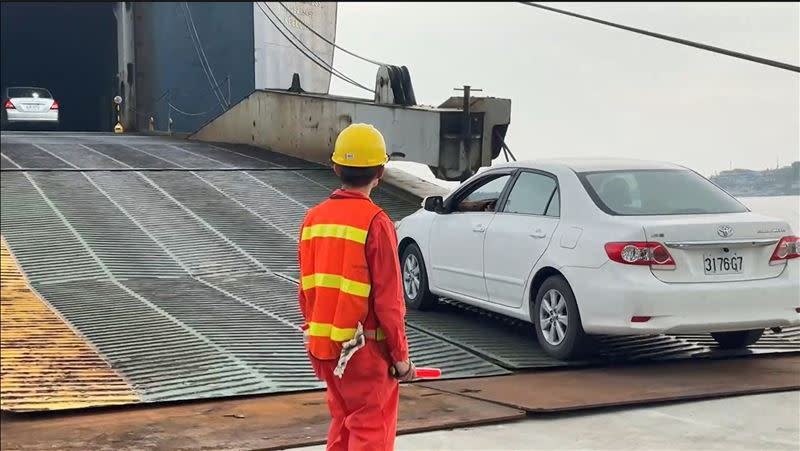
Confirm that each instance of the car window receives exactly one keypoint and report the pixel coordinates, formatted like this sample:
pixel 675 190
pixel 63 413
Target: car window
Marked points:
pixel 554 209
pixel 531 194
pixel 36 93
pixel 657 192
pixel 622 191
pixel 485 196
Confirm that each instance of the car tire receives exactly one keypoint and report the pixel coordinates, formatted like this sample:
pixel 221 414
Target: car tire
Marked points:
pixel 416 291
pixel 738 339
pixel 563 342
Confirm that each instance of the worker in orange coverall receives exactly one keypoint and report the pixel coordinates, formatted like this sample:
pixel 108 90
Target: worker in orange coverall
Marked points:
pixel 352 300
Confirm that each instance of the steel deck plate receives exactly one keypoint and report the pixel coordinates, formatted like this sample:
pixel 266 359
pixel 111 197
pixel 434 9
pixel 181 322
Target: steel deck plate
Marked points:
pixel 263 423
pixel 632 384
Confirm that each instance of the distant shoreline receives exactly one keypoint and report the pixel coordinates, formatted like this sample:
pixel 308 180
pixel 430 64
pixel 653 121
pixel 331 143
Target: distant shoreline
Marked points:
pixel 748 196
pixel 783 181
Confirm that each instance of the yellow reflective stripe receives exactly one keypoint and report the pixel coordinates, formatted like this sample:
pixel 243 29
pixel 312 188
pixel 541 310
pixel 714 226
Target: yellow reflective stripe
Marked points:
pixel 333 281
pixel 338 334
pixel 335 231
pixel 328 331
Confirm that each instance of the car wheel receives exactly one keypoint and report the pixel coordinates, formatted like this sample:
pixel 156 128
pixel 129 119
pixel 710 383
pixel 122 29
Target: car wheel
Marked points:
pixel 557 321
pixel 738 339
pixel 415 280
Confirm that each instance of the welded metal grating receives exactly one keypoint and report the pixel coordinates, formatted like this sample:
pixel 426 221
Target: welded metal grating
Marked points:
pixel 120 245
pixel 427 350
pixel 194 246
pixel 295 185
pixel 290 373
pixel 284 204
pixel 161 357
pixel 191 302
pixel 5 163
pixel 46 249
pixel 462 363
pixel 29 156
pixel 395 206
pixel 267 291
pixel 267 244
pixel 145 153
pixel 268 345
pixel 179 156
pixel 130 156
pixel 284 212
pixel 79 156
pixel 312 187
pixel 279 296
pixel 266 195
pixel 225 156
pixel 278 159
pixel 645 347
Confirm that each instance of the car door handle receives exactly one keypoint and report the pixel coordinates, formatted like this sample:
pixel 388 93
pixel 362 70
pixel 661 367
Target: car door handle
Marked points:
pixel 538 234
pixel 479 228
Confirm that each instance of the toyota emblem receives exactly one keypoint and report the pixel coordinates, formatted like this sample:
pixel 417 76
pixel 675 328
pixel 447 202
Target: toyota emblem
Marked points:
pixel 725 231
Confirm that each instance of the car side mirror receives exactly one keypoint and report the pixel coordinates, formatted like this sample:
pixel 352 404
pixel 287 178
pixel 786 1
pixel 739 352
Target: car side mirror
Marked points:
pixel 434 204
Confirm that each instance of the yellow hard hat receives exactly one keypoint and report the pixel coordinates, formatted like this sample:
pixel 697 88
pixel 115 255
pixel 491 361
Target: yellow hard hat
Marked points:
pixel 360 146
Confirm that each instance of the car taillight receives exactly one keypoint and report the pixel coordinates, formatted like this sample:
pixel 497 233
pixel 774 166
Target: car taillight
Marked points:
pixel 788 248
pixel 654 255
pixel 9 105
pixel 54 106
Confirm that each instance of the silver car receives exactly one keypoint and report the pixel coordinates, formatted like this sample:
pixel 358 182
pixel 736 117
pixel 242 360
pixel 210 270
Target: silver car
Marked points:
pixel 29 106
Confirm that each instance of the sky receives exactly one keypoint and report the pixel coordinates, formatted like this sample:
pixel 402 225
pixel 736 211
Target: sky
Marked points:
pixel 580 89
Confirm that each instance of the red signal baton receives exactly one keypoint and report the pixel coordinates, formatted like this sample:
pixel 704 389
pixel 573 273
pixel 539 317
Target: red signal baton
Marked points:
pixel 428 373
pixel 420 373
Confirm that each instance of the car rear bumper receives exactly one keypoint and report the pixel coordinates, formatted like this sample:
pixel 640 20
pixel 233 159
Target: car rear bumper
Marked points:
pixel 609 296
pixel 13 116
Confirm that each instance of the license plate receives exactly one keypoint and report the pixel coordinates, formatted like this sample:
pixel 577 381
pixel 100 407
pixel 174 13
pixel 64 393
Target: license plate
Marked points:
pixel 719 263
pixel 31 107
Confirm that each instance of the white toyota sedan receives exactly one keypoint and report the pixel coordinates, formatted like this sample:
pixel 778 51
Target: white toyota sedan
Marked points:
pixel 611 247
pixel 30 106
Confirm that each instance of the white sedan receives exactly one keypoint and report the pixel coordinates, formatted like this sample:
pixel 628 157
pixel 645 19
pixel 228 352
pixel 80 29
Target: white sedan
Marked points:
pixel 612 247
pixel 30 106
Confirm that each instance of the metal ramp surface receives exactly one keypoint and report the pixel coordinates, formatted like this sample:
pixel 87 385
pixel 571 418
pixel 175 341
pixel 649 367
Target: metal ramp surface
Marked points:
pixel 176 262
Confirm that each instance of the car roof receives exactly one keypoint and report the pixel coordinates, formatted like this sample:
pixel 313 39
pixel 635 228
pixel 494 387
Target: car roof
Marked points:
pixel 590 164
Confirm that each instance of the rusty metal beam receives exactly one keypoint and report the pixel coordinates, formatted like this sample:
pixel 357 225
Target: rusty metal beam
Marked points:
pixel 45 365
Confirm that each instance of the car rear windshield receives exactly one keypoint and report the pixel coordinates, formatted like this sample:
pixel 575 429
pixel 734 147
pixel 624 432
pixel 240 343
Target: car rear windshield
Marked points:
pixel 657 192
pixel 37 93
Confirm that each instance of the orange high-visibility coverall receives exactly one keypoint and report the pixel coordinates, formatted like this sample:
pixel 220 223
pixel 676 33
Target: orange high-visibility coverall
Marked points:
pixel 364 403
